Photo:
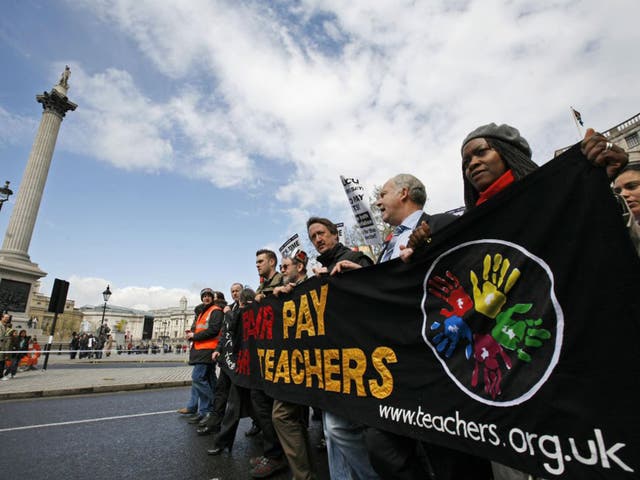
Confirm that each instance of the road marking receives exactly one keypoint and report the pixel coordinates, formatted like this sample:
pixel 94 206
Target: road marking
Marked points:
pixel 88 420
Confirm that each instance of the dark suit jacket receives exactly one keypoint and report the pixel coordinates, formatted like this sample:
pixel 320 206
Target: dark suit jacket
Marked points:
pixel 436 222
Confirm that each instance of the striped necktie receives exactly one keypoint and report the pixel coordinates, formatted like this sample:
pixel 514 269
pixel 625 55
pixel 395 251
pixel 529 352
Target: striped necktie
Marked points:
pixel 392 243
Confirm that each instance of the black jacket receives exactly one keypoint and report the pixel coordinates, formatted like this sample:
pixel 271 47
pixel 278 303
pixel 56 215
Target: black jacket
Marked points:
pixel 340 252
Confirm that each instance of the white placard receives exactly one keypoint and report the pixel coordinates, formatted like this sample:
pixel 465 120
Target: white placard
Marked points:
pixel 290 246
pixel 340 227
pixel 357 198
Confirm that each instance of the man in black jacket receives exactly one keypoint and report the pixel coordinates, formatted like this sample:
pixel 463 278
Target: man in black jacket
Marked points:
pixel 323 233
pixel 346 447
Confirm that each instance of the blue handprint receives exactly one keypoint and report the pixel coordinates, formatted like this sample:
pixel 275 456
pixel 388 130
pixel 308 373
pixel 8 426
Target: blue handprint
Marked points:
pixel 455 329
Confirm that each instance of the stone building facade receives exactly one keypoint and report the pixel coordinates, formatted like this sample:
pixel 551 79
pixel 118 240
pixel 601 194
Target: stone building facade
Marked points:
pixel 121 320
pixel 169 324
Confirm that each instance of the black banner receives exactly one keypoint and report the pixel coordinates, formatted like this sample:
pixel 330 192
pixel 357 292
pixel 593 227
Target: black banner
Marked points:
pixel 513 337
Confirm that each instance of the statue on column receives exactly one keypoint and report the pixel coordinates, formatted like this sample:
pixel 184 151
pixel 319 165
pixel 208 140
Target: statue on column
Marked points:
pixel 64 78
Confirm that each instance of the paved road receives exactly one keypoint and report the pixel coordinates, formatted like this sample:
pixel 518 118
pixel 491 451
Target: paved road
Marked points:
pixel 114 417
pixel 118 435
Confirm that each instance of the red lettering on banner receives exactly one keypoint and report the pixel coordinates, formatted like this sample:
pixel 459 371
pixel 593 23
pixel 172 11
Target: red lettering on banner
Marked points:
pixel 260 327
pixel 242 365
pixel 265 319
pixel 248 324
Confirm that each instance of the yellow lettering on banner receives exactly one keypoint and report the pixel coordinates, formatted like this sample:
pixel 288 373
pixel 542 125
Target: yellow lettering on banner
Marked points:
pixel 379 358
pixel 268 364
pixel 260 352
pixel 353 374
pixel 319 305
pixel 331 368
pixel 312 370
pixel 288 317
pixel 297 361
pixel 302 316
pixel 305 320
pixel 282 369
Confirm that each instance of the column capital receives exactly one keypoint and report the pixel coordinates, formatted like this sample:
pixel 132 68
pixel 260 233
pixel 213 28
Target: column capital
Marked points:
pixel 56 103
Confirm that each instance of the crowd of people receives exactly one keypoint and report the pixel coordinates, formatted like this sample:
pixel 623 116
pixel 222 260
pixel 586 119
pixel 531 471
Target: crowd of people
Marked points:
pixel 87 345
pixel 493 158
pixel 18 351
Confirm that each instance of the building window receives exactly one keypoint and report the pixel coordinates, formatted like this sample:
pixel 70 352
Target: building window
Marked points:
pixel 632 140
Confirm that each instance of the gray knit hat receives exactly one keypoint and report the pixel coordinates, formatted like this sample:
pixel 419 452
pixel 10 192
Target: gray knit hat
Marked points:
pixel 208 291
pixel 503 132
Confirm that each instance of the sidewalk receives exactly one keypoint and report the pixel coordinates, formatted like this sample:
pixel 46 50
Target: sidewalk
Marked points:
pixel 84 379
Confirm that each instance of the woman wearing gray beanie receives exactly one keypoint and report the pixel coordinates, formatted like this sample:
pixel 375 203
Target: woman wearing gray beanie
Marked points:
pixel 495 156
pixel 495 150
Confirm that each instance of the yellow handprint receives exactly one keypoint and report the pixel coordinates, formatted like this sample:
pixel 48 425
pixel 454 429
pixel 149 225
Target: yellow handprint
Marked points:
pixel 491 299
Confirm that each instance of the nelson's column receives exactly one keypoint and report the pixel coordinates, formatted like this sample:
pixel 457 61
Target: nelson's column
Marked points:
pixel 18 273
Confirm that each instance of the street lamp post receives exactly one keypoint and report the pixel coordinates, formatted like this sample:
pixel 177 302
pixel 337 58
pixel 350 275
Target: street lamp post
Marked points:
pixel 106 295
pixel 5 193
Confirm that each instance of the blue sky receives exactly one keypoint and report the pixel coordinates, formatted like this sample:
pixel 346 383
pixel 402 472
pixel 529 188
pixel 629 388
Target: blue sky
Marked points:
pixel 208 129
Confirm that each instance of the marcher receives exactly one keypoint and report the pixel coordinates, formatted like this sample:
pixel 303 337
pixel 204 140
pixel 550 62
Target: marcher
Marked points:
pixel 238 400
pixel 192 404
pixel 273 458
pixel 493 158
pixel 221 393
pixel 401 201
pixel 205 340
pixel 346 447
pixel 627 186
pixel 291 420
pixel 266 261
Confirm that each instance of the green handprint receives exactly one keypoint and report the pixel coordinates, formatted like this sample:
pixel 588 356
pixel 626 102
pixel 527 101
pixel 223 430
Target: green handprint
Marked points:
pixel 512 333
pixel 490 300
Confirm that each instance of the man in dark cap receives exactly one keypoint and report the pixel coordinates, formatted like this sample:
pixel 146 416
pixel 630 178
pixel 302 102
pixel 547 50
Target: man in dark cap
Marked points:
pixel 205 340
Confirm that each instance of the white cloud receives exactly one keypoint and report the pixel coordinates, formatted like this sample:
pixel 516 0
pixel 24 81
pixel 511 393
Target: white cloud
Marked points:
pixel 16 129
pixel 118 124
pixel 88 291
pixel 402 83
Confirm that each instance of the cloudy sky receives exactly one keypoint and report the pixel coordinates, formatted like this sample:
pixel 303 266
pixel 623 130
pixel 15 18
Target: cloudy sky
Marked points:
pixel 208 129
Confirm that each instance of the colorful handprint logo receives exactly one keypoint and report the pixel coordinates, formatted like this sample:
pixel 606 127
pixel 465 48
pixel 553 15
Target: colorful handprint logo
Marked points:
pixel 492 319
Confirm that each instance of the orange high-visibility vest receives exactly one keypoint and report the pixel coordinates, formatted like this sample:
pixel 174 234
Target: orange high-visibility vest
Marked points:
pixel 201 325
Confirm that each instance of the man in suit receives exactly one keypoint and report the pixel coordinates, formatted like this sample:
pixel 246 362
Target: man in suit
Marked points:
pixel 401 201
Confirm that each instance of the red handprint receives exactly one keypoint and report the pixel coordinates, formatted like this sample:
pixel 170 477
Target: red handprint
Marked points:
pixel 450 290
pixel 485 353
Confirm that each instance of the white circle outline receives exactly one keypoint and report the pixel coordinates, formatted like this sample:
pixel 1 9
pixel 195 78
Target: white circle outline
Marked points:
pixel 559 325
